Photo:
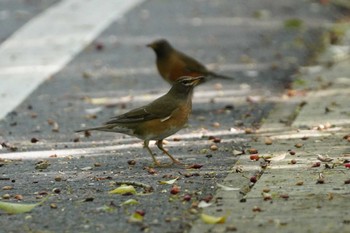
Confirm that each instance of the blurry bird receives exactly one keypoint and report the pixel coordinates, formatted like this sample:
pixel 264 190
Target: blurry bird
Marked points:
pixel 159 119
pixel 173 64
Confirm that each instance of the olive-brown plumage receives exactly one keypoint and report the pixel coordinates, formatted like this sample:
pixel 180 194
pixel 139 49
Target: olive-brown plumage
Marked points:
pixel 173 64
pixel 158 119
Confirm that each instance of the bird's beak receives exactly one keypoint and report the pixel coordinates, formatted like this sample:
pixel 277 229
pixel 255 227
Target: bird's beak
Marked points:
pixel 198 80
pixel 150 45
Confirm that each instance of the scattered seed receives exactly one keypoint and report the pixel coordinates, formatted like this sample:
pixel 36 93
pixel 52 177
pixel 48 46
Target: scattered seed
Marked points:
pixel 230 228
pixel 266 190
pixel 284 196
pixel 207 198
pixel 53 206
pixel 6 196
pixel 253 179
pixel 151 170
pixel 132 162
pixel 347 181
pixel 252 151
pixel 99 46
pixel 214 147
pixel 175 190
pixel 217 140
pixel 89 199
pixel 320 181
pixel 298 145
pixel 7 187
pixel 18 197
pixel 58 178
pixel 77 139
pixel 256 209
pixel 267 196
pixel 216 124
pixel 34 140
pixel 317 164
pixel 292 152
pixel 56 190
pixel 97 164
pixel 255 157
pixel 300 183
pixel 87 133
pixel 268 141
pixel 248 130
pixel 293 161
pixel 187 197
pixel 195 166
pixel 176 139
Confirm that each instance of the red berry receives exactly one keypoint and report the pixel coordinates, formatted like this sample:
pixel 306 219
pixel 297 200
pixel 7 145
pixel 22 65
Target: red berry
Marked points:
pixel 175 190
pixel 187 197
pixel 253 179
pixel 255 157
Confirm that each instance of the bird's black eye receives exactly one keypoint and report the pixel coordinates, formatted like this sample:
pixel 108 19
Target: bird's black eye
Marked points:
pixel 186 82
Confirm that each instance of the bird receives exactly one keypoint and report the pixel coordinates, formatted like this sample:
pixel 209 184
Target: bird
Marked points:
pixel 157 120
pixel 173 64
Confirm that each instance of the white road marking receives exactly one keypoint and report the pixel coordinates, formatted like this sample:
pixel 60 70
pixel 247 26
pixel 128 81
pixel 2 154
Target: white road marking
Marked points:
pixel 48 42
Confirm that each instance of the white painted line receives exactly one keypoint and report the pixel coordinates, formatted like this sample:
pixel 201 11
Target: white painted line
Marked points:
pixel 48 42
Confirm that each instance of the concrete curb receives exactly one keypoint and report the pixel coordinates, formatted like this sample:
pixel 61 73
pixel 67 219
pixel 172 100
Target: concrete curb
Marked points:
pixel 300 190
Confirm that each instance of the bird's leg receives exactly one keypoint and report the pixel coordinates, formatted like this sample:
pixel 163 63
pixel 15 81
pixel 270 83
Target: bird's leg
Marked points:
pixel 146 145
pixel 160 146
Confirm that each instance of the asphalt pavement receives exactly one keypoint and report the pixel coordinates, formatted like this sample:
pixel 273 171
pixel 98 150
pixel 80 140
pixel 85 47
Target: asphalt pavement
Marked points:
pixel 288 101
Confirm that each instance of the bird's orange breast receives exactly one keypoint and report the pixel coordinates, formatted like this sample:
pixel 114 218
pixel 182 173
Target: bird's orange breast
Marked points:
pixel 158 129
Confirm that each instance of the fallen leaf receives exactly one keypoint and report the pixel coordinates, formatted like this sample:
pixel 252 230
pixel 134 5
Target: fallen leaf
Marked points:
pixel 325 158
pixel 204 204
pixel 123 189
pixel 18 208
pixel 169 181
pixel 278 158
pixel 212 219
pixel 227 188
pixel 293 23
pixel 135 218
pixel 130 202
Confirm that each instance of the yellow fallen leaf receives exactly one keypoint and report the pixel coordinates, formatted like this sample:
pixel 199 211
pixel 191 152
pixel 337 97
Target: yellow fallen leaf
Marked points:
pixel 18 208
pixel 130 202
pixel 212 219
pixel 168 181
pixel 123 189
pixel 135 217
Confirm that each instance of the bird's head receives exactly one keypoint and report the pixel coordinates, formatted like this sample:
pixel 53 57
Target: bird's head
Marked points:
pixel 161 47
pixel 188 81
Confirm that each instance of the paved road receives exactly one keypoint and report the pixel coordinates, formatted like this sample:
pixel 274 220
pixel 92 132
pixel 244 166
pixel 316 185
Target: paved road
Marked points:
pixel 115 73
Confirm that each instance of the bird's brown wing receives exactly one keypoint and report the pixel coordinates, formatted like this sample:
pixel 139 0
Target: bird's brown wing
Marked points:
pixel 158 109
pixel 192 64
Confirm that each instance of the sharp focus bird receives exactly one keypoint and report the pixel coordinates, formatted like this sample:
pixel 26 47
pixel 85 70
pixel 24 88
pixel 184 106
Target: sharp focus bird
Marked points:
pixel 158 119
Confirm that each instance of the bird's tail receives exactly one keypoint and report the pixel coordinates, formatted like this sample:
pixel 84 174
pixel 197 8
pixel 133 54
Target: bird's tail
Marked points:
pixel 100 128
pixel 220 76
